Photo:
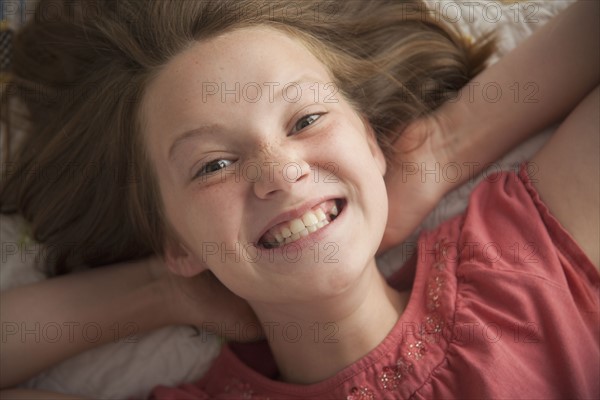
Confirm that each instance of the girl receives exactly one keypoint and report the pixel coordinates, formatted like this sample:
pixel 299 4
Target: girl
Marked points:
pixel 253 147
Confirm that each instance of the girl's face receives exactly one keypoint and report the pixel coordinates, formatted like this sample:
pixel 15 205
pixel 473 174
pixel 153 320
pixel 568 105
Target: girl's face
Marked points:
pixel 248 135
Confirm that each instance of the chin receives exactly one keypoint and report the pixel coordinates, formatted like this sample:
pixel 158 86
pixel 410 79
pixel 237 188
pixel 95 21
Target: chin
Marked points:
pixel 345 274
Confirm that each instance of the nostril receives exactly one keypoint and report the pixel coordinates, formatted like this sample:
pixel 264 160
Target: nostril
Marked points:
pixel 305 176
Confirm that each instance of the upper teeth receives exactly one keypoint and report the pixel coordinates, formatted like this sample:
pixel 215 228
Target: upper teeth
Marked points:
pixel 300 227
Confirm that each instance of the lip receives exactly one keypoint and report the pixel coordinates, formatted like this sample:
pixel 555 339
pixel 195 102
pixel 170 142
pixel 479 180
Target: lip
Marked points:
pixel 292 213
pixel 291 251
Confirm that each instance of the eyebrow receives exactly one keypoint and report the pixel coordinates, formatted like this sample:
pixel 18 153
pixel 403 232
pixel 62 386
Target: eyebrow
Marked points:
pixel 211 128
pixel 192 134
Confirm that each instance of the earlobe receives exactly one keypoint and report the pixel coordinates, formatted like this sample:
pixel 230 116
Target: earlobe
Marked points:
pixel 181 261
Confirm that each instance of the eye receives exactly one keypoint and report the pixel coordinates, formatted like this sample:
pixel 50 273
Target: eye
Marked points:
pixel 305 121
pixel 213 166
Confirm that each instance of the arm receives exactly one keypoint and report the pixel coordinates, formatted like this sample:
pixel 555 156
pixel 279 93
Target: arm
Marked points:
pixel 112 301
pixel 559 61
pixel 568 175
pixel 42 324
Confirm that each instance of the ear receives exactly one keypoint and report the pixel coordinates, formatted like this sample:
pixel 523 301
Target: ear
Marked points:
pixel 375 149
pixel 181 261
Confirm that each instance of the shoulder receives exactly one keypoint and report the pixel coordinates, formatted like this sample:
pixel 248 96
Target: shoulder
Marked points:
pixel 508 226
pixel 504 289
pixel 524 290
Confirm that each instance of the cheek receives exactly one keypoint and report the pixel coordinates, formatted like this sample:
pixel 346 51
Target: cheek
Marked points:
pixel 209 217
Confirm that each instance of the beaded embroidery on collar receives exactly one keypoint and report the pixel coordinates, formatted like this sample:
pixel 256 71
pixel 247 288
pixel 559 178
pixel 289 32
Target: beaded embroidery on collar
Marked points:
pixel 414 350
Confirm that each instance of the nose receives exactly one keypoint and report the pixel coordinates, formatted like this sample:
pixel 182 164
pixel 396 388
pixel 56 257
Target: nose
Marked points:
pixel 280 175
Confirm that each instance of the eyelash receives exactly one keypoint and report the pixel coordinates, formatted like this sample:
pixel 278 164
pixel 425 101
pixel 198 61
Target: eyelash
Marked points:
pixel 305 117
pixel 202 172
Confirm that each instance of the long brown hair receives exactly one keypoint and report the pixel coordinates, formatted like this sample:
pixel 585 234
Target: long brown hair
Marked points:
pixel 81 176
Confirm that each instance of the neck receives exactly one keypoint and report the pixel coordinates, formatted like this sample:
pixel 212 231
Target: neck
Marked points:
pixel 315 340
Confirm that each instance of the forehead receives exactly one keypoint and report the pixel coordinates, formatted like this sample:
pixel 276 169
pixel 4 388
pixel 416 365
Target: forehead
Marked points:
pixel 249 56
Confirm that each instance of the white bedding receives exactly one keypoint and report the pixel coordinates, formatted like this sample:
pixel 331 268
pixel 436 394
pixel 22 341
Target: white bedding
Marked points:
pixel 174 355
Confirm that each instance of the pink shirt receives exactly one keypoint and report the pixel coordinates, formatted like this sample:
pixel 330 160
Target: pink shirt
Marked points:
pixel 504 304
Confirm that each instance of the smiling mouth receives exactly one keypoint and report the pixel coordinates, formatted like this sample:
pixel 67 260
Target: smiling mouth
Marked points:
pixel 297 228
